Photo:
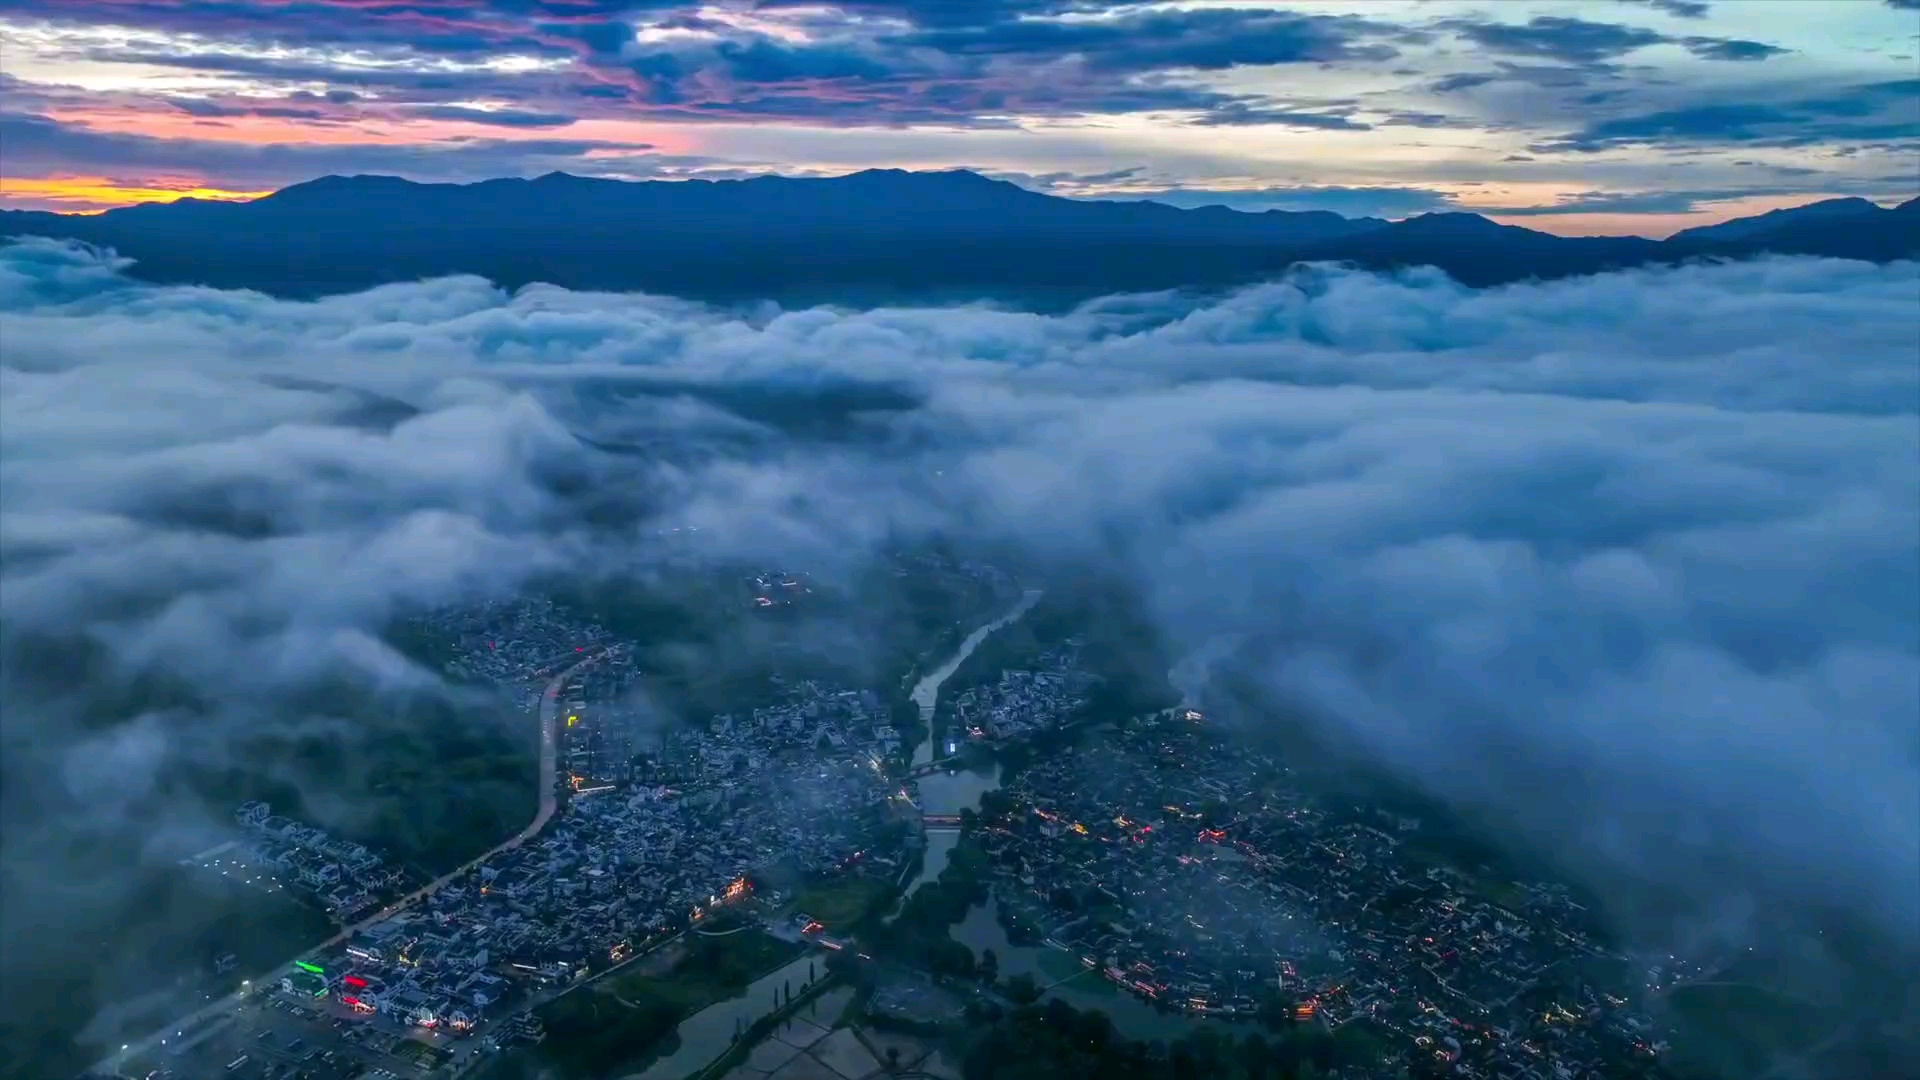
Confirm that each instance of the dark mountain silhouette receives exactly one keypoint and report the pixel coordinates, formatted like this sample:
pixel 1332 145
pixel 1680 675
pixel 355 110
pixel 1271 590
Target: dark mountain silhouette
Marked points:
pixel 1479 252
pixel 879 235
pixel 1823 212
pixel 1838 228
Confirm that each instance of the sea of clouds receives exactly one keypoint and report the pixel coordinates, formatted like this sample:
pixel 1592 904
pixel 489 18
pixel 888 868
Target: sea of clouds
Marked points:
pixel 1630 560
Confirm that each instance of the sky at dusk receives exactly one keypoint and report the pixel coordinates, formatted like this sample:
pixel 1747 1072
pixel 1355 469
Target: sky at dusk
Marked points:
pixel 1581 116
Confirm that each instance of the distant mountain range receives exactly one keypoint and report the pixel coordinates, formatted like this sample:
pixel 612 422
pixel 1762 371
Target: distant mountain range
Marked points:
pixel 874 236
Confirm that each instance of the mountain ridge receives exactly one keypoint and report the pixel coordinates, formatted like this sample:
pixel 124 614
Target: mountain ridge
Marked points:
pixel 1826 209
pixel 880 235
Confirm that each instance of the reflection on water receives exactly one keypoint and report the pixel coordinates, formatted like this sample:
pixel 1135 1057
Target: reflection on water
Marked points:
pixel 946 793
pixel 926 692
pixel 940 845
pixel 706 1034
pixel 949 793
pixel 1134 1018
pixel 952 792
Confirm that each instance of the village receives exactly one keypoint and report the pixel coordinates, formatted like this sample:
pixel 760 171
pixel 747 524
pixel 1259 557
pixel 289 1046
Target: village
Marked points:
pixel 1159 856
pixel 1191 873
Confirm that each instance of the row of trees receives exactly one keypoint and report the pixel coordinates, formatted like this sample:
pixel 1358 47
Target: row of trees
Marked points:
pixel 1054 1041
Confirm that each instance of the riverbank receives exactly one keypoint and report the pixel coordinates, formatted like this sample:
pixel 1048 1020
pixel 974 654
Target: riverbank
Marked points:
pixel 705 1036
pixel 817 1000
pixel 926 692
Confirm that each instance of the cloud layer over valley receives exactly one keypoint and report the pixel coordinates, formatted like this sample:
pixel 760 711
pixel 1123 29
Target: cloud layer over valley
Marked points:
pixel 1627 560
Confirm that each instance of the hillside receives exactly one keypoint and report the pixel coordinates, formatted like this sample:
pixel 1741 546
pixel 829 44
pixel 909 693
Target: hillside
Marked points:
pixel 874 236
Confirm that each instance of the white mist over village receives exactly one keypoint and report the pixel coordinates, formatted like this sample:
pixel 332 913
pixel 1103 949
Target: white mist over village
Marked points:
pixel 1621 564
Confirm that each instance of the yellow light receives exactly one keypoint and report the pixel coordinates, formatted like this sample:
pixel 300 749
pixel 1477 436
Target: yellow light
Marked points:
pixel 102 192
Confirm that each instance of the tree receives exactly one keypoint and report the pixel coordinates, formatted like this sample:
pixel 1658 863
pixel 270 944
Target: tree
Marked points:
pixel 1093 1030
pixel 843 963
pixel 949 957
pixel 1276 1010
pixel 1022 990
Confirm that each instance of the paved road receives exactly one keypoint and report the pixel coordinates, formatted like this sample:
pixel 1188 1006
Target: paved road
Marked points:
pixel 549 775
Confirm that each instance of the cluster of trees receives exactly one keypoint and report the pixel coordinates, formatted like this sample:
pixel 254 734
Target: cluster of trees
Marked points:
pixel 1054 1041
pixel 423 777
pixel 1122 646
pixel 919 934
pixel 593 1031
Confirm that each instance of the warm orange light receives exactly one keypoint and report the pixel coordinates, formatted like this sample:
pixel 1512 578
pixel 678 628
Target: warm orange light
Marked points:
pixel 103 193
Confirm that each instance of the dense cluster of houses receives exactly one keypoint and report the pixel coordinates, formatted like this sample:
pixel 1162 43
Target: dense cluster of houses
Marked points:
pixel 509 643
pixel 1025 700
pixel 791 790
pixel 1188 871
pixel 345 877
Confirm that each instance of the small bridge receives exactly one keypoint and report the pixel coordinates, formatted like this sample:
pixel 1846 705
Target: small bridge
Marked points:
pixel 940 821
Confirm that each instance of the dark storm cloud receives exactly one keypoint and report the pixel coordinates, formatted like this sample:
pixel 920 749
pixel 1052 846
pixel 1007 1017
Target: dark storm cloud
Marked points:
pixel 1554 37
pixel 1679 9
pixel 1207 39
pixel 1875 111
pixel 439 28
pixel 957 12
pixel 957 74
pixel 1731 49
pixel 1244 114
pixel 514 118
pixel 864 63
pixel 286 70
pixel 1449 84
pixel 213 109
pixel 1581 43
pixel 1489 537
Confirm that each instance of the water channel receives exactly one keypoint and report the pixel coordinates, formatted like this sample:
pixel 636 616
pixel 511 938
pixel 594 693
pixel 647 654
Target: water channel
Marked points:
pixel 926 692
pixel 705 1035
pixel 948 793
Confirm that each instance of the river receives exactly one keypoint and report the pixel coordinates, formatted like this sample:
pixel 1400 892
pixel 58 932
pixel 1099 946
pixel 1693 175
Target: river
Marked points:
pixel 1066 980
pixel 705 1035
pixel 926 692
pixel 950 792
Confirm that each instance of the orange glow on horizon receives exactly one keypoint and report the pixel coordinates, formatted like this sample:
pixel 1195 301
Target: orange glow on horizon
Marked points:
pixel 622 136
pixel 97 193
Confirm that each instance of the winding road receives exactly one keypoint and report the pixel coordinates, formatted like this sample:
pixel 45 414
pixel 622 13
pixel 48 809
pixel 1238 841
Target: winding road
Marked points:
pixel 549 802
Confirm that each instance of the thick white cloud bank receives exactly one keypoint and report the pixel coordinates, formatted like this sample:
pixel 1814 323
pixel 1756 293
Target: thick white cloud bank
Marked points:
pixel 1634 560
